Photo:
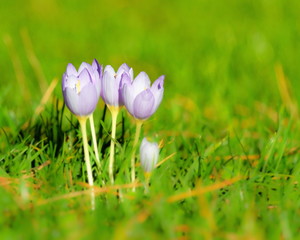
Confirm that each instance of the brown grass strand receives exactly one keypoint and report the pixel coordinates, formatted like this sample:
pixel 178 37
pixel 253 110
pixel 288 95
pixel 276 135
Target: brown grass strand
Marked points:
pixel 45 98
pixel 98 191
pixel 284 88
pixel 165 159
pixel 33 60
pixel 17 65
pixel 203 190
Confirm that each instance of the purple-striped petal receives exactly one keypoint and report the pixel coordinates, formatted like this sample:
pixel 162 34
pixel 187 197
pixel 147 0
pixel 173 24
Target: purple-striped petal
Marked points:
pixel 159 83
pixel 98 68
pixel 84 103
pixel 88 100
pixel 123 68
pixel 71 100
pixel 97 75
pixel 157 90
pixel 143 104
pixel 83 66
pixel 125 79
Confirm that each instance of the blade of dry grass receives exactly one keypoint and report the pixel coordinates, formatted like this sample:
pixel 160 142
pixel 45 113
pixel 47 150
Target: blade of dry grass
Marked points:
pixel 40 108
pixel 284 88
pixel 206 189
pixel 97 190
pixel 17 65
pixel 33 60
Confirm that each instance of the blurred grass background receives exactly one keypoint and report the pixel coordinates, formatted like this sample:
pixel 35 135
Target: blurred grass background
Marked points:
pixel 219 54
pixel 231 71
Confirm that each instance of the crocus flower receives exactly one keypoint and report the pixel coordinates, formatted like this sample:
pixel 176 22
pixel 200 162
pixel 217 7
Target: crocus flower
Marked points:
pixel 149 155
pixel 112 84
pixel 81 89
pixel 141 99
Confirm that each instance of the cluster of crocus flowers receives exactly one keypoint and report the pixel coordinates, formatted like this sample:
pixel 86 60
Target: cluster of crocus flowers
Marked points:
pixel 82 89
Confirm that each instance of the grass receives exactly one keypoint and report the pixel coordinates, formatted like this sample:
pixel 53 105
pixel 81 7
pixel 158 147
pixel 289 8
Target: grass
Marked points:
pixel 228 124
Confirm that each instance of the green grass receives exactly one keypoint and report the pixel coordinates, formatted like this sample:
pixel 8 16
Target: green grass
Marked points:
pixel 226 117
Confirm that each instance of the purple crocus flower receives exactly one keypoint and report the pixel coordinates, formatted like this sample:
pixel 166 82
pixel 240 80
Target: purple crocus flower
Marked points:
pixel 141 99
pixel 112 84
pixel 81 89
pixel 149 155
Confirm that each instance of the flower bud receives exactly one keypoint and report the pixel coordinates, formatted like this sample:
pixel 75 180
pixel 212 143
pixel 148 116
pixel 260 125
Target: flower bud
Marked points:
pixel 149 155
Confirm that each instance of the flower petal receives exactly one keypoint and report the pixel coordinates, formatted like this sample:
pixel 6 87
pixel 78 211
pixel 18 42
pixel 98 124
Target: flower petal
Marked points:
pixel 71 70
pixel 109 69
pixel 83 66
pixel 97 67
pixel 148 155
pixel 157 90
pixel 159 83
pixel 64 81
pixel 123 68
pixel 140 83
pixel 128 97
pixel 71 82
pixel 88 100
pixel 143 104
pixel 125 79
pixel 84 78
pixel 97 75
pixel 110 89
pixel 131 74
pixel 71 100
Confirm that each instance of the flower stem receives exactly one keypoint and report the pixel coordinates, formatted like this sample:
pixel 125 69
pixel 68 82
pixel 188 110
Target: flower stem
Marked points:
pixel 92 125
pixel 114 114
pixel 82 121
pixel 147 182
pixel 135 142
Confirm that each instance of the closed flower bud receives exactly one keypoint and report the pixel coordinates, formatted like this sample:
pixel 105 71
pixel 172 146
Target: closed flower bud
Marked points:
pixel 149 155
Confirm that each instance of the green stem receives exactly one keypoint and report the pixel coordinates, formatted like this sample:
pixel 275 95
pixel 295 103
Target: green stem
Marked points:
pixel 82 121
pixel 114 114
pixel 135 142
pixel 92 125
pixel 147 181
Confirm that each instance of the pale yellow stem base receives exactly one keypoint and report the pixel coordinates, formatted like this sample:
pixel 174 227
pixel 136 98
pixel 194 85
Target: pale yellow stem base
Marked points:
pixel 82 120
pixel 92 125
pixel 139 124
pixel 114 115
